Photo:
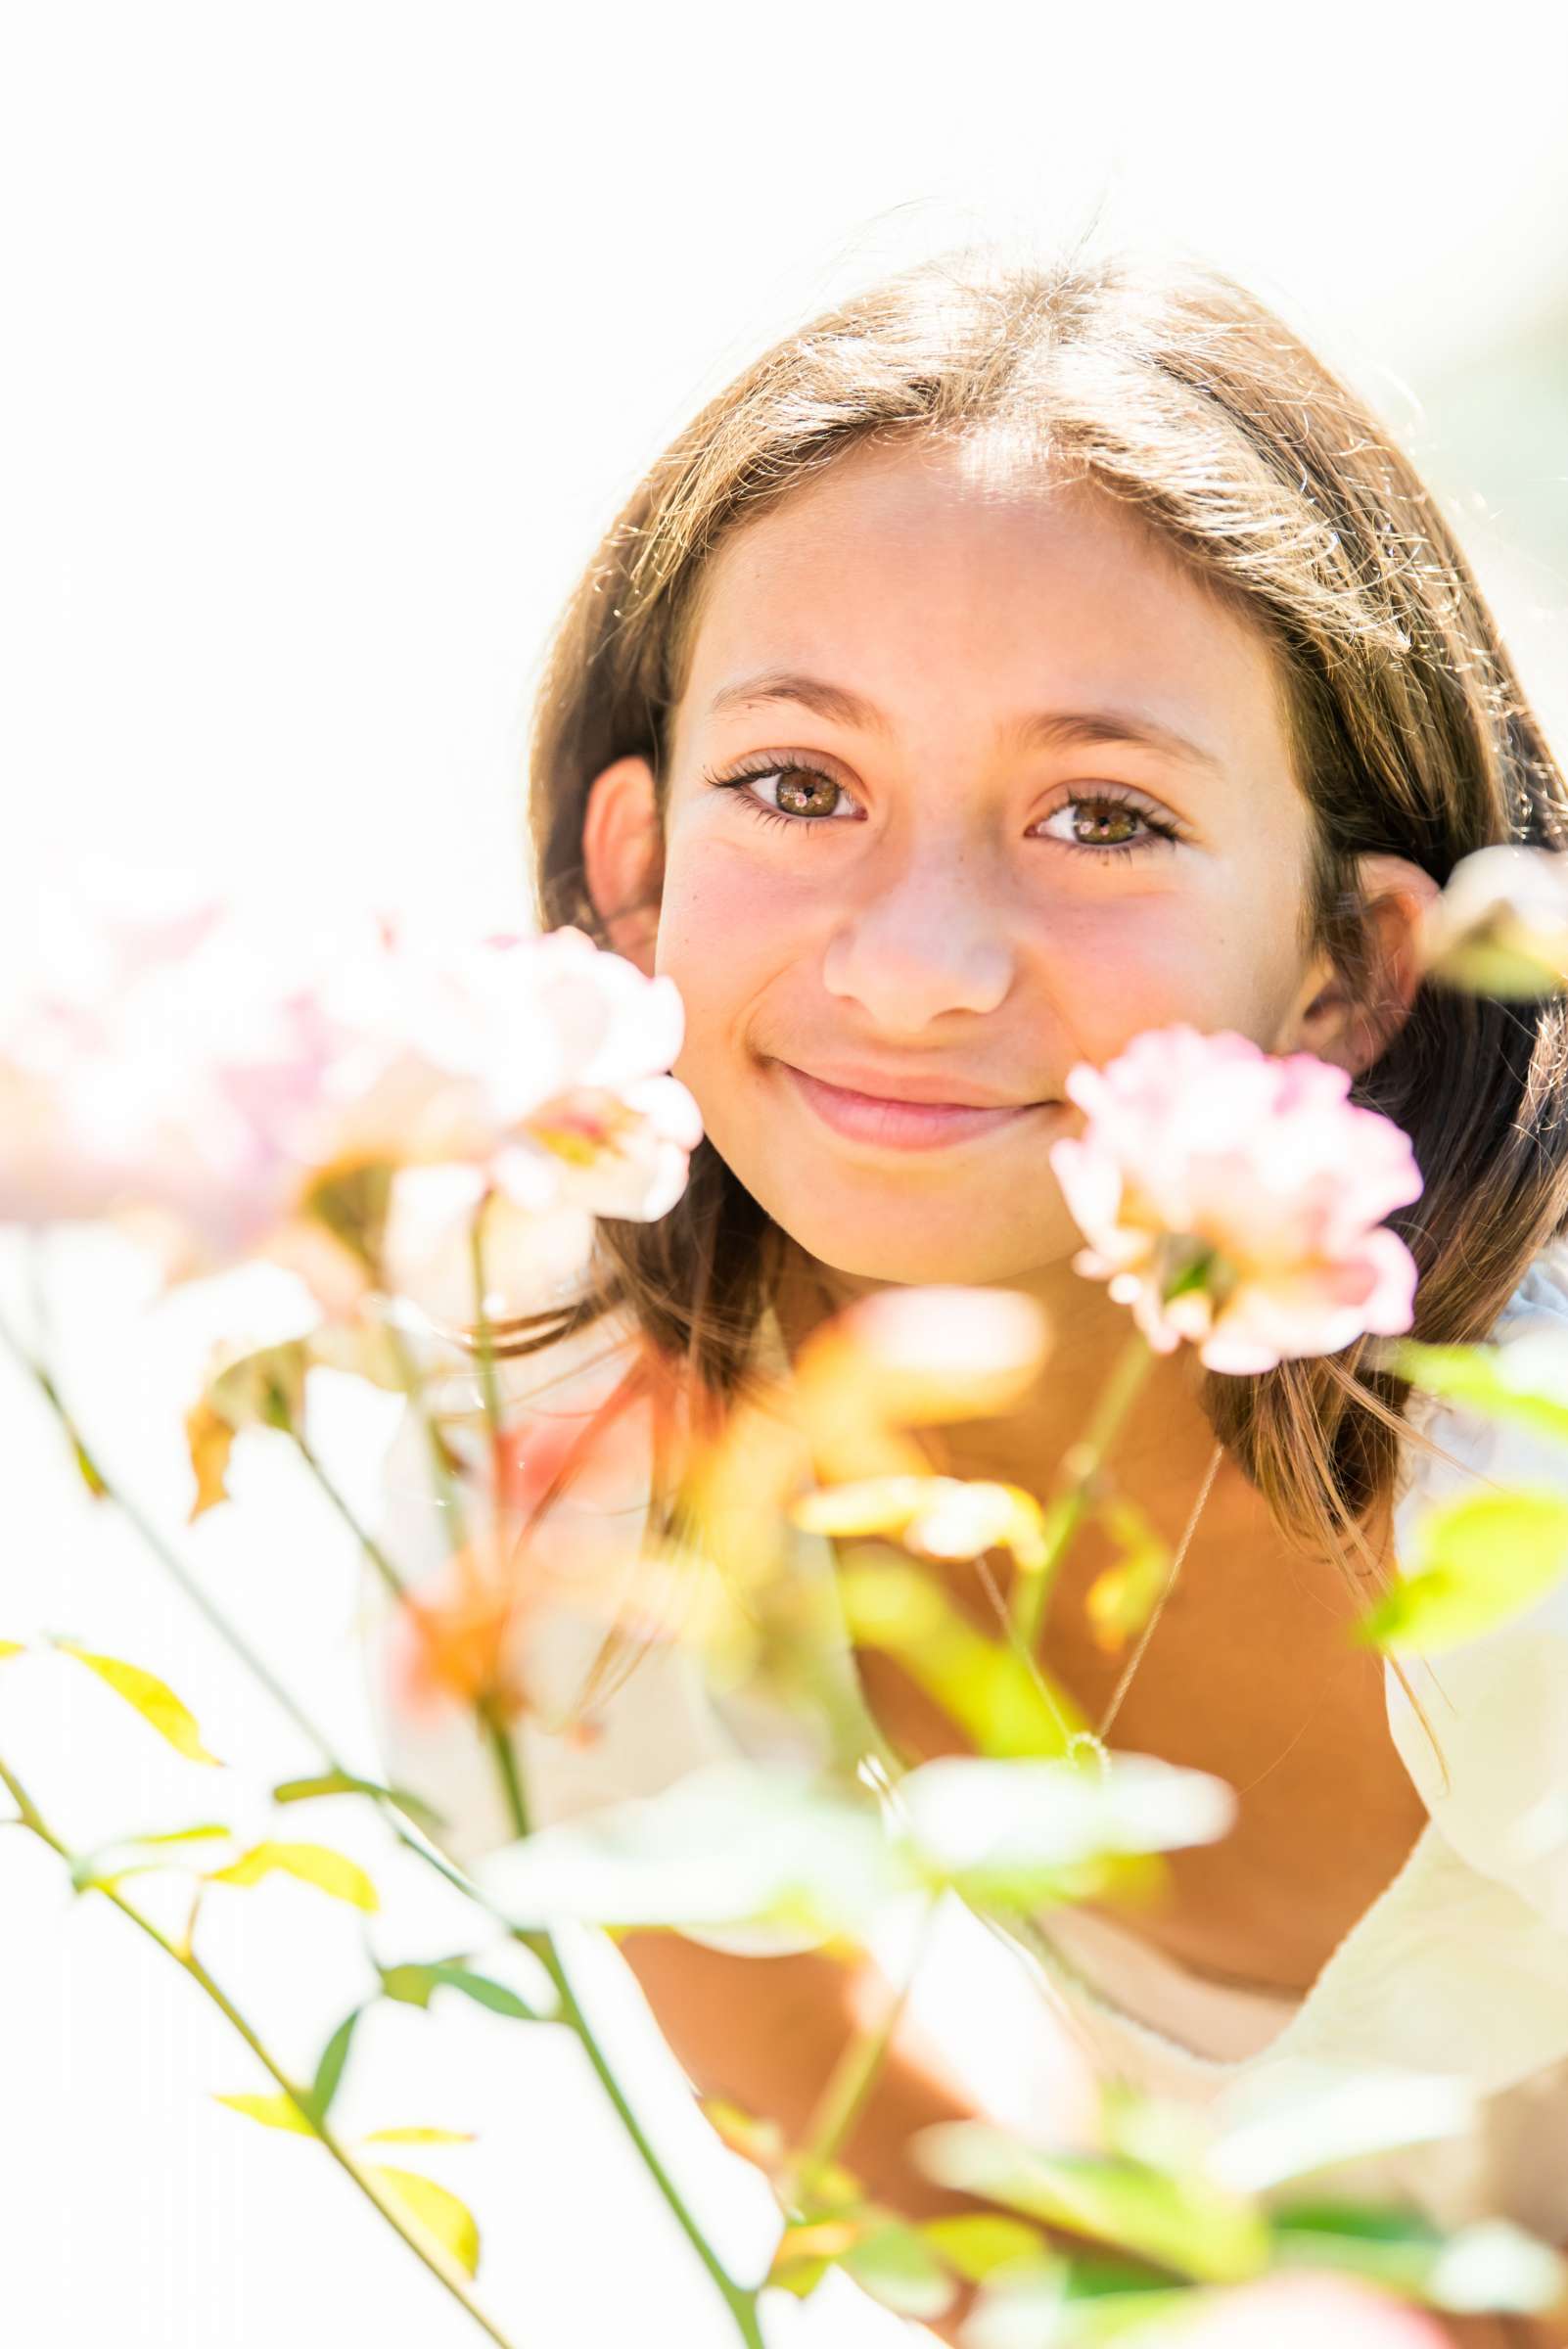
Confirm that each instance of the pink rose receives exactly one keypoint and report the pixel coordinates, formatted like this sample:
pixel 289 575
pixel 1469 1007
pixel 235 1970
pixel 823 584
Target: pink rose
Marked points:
pixel 1232 1197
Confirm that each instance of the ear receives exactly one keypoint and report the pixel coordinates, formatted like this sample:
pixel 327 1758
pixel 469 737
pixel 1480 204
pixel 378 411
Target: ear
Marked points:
pixel 1353 1034
pixel 622 857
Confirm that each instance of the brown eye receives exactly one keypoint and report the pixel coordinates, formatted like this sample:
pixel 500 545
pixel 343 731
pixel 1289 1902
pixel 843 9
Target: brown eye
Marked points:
pixel 799 790
pixel 1109 813
pixel 804 796
pixel 1117 825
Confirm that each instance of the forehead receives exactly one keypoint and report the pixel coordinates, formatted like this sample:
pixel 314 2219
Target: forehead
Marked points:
pixel 935 579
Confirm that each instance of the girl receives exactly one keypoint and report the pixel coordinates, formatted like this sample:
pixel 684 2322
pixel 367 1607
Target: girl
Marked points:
pixel 1016 658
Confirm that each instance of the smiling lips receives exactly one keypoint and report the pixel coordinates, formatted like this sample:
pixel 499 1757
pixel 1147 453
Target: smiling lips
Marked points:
pixel 901 1124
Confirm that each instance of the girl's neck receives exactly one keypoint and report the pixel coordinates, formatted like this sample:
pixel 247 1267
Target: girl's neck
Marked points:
pixel 1166 1441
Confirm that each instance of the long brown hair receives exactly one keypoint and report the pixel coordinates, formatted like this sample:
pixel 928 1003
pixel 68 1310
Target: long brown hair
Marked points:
pixel 1175 390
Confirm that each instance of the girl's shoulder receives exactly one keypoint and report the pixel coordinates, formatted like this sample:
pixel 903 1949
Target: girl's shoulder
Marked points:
pixel 1498 1701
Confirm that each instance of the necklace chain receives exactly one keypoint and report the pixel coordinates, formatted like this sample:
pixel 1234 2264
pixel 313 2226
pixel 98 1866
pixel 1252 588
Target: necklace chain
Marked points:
pixel 1095 1738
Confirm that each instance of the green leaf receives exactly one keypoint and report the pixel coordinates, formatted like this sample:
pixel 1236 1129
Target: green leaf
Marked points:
pixel 807 2250
pixel 276 2112
pixel 312 1863
pixel 731 1843
pixel 151 1698
pixel 1393 2246
pixel 87 1870
pixel 1003 1834
pixel 1477 1563
pixel 1489 2266
pixel 87 1467
pixel 974 2243
pixel 419 2137
pixel 86 1873
pixel 262 1389
pixel 340 1781
pixel 980 1684
pixel 12 1647
pixel 799 2277
pixel 201 1834
pixel 1523 1380
pixel 1186 2222
pixel 412 1985
pixel 329 2071
pixel 441 2214
pixel 1054 2303
pixel 896 2266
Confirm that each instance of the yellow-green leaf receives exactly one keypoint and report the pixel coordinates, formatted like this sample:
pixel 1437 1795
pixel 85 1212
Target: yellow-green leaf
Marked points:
pixel 87 1867
pixel 276 2112
pixel 11 1647
pixel 984 1687
pixel 896 2266
pixel 419 2137
pixel 1477 1562
pixel 329 2071
pixel 874 1505
pixel 342 1781
pixel 312 1863
pixel 86 1874
pixel 441 2215
pixel 806 2251
pixel 973 2242
pixel 262 1389
pixel 1524 1380
pixel 1121 1600
pixel 1187 2222
pixel 939 1516
pixel 760 2142
pixel 201 1834
pixel 412 1985
pixel 153 1698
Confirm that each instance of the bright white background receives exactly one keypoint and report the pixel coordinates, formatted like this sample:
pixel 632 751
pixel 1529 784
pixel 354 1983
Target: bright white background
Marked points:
pixel 335 335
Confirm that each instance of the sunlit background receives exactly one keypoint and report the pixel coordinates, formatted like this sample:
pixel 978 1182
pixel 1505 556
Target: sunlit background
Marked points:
pixel 333 336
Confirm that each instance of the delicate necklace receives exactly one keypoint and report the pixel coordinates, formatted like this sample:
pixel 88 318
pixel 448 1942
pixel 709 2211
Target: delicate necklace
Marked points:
pixel 1094 1739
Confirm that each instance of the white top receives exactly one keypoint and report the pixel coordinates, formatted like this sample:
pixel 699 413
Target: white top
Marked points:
pixel 1460 1967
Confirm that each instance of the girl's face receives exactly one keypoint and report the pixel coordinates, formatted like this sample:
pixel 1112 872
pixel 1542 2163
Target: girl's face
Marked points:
pixel 969 782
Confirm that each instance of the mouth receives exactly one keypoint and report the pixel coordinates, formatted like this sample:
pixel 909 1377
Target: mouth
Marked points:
pixel 903 1124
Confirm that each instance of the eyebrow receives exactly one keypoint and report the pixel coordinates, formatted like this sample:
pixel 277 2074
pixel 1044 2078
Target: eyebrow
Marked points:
pixel 1041 730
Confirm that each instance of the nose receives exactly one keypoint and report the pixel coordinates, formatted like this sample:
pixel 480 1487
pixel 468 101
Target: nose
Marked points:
pixel 927 940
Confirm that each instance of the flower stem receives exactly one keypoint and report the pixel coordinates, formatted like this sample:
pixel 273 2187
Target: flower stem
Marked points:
pixel 414 1387
pixel 852 2078
pixel 1079 1471
pixel 741 2302
pixel 168 1558
pixel 29 1816
pixel 372 1548
pixel 106 1490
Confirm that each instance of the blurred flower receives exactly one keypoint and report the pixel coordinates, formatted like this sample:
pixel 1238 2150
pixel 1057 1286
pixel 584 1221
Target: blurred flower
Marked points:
pixel 456 1641
pixel 1298 2311
pixel 913 1357
pixel 1501 926
pixel 552 1518
pixel 938 1516
pixel 1231 1198
pixel 221 1081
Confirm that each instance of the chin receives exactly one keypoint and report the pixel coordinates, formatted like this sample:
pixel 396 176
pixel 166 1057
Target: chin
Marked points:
pixel 914 1259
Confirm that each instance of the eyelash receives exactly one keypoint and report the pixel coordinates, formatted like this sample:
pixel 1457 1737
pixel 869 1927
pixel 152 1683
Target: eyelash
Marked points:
pixel 1108 796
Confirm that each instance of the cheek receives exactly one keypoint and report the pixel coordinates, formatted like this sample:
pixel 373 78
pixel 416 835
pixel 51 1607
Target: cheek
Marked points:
pixel 1225 960
pixel 725 935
